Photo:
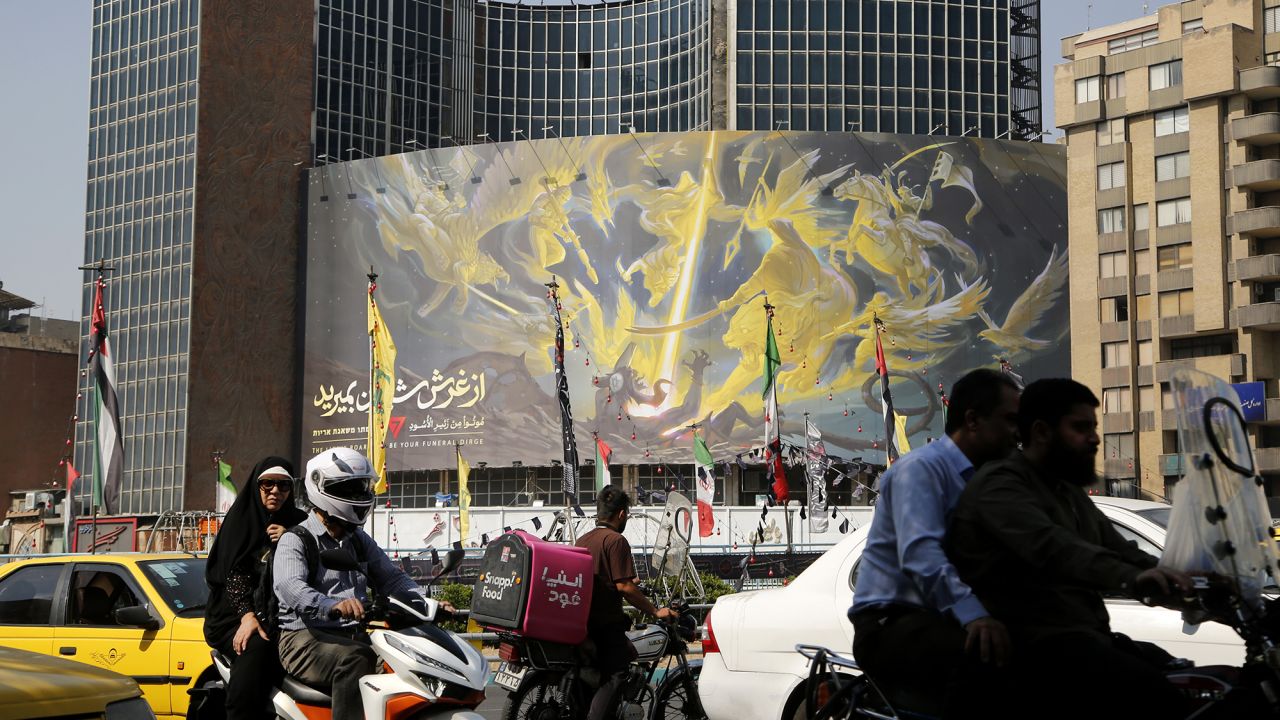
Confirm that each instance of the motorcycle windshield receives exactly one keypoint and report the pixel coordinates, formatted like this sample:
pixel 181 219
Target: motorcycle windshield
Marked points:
pixel 1220 522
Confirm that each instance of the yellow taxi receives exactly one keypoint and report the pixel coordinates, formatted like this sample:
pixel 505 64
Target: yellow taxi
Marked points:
pixel 138 615
pixel 38 686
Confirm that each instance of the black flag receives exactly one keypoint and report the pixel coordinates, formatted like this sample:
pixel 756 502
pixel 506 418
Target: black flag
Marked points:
pixel 570 485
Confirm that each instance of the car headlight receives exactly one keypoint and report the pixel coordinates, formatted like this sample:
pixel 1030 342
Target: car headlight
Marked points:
pixel 135 709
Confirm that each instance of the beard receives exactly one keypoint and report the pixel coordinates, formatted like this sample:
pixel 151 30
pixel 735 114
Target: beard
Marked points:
pixel 1073 466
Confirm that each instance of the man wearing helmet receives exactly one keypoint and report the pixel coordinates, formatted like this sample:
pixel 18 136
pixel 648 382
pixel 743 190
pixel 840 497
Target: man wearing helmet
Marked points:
pixel 321 642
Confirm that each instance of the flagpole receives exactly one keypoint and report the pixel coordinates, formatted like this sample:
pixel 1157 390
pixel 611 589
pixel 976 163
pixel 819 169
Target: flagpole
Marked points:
pixel 570 463
pixel 373 511
pixel 101 267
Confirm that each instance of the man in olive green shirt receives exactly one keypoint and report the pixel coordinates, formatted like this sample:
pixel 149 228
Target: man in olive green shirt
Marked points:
pixel 1037 551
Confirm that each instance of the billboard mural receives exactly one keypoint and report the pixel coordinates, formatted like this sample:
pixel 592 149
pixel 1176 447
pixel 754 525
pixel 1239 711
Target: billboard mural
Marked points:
pixel 665 248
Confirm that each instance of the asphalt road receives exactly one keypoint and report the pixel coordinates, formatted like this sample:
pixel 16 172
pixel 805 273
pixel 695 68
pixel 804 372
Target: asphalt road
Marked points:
pixel 495 698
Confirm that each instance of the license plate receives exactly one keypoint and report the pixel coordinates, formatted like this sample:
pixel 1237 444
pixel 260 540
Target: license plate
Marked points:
pixel 509 676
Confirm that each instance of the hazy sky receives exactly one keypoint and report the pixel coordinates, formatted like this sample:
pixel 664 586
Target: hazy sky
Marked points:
pixel 44 82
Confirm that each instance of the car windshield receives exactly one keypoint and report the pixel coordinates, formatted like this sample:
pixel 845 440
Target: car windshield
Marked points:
pixel 180 582
pixel 1159 516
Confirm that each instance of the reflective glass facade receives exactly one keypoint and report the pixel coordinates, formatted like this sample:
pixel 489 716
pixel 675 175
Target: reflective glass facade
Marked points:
pixel 389 72
pixel 591 69
pixel 922 66
pixel 139 218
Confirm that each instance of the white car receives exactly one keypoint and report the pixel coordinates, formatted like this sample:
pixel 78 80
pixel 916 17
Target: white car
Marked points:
pixel 751 669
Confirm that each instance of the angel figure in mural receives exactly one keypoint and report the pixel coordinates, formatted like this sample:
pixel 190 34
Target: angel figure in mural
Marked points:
pixel 888 234
pixel 1013 337
pixel 926 327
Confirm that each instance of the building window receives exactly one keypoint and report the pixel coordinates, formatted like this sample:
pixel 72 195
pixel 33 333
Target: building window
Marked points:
pixel 1176 303
pixel 1204 346
pixel 1170 122
pixel 1192 25
pixel 1133 42
pixel 1115 86
pixel 1173 212
pixel 1113 265
pixel 1272 58
pixel 1111 132
pixel 1146 395
pixel 1115 354
pixel 1111 220
pixel 1173 257
pixel 1141 217
pixel 1145 357
pixel 1114 309
pixel 1173 166
pixel 1117 400
pixel 1142 261
pixel 1142 307
pixel 1111 175
pixel 1118 446
pixel 1087 89
pixel 1271 20
pixel 1166 75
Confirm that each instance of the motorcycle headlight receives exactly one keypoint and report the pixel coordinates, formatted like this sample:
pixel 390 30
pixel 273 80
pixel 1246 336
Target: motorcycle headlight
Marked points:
pixel 418 657
pixel 135 709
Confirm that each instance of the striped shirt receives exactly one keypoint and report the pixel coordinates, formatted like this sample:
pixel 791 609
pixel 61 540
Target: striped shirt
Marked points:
pixel 307 605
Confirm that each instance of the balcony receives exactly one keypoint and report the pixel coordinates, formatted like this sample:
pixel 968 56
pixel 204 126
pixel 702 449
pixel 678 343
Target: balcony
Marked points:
pixel 1222 366
pixel 1117 467
pixel 1259 175
pixel 1260 83
pixel 1257 222
pixel 1177 326
pixel 1267 460
pixel 1171 464
pixel 1259 129
pixel 1259 316
pixel 1273 412
pixel 1258 267
pixel 1119 422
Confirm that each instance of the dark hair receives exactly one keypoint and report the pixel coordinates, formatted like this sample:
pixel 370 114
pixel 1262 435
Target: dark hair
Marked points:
pixel 980 391
pixel 611 501
pixel 1050 400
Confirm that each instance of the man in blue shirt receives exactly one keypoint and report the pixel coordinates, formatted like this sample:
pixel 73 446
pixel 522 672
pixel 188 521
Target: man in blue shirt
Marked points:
pixel 918 629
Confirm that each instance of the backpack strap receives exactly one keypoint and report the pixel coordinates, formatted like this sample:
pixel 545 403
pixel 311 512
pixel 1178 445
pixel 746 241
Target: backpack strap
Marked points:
pixel 310 549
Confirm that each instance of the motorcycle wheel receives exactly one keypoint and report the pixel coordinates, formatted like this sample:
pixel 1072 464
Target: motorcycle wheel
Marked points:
pixel 537 698
pixel 679 700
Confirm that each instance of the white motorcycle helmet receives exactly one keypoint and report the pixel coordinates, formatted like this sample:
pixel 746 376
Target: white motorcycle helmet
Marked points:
pixel 340 482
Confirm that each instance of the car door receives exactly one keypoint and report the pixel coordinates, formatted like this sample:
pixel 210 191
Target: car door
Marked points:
pixel 89 632
pixel 28 597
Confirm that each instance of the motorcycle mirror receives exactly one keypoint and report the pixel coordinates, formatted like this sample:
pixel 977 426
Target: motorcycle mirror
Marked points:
pixel 451 561
pixel 339 559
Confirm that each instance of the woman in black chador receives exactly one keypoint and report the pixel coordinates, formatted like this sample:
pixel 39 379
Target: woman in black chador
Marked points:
pixel 234 621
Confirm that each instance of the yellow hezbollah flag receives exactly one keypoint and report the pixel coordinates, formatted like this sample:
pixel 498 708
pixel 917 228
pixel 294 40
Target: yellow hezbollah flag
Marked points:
pixel 382 376
pixel 464 496
pixel 900 423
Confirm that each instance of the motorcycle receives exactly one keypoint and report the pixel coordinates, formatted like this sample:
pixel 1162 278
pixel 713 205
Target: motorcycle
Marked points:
pixel 423 671
pixel 1219 532
pixel 551 681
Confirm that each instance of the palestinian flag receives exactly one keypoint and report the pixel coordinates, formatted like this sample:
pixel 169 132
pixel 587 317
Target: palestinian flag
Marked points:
pixel 772 427
pixel 109 456
pixel 706 471
pixel 886 400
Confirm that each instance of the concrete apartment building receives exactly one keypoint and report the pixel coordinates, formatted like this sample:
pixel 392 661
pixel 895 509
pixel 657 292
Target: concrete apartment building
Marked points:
pixel 1172 126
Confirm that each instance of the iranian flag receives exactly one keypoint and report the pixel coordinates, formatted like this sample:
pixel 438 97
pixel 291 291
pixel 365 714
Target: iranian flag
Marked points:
pixel 772 428
pixel 706 468
pixel 603 453
pixel 226 491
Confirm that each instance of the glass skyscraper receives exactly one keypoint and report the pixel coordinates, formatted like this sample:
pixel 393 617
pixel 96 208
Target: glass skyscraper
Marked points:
pixel 927 67
pixel 140 209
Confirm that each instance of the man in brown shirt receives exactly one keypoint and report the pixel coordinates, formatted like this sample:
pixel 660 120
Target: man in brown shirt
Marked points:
pixel 614 579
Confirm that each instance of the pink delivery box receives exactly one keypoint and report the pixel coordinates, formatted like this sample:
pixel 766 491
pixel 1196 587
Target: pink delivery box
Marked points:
pixel 539 589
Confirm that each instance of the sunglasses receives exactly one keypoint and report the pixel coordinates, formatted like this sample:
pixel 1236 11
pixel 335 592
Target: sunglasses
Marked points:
pixel 285 485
